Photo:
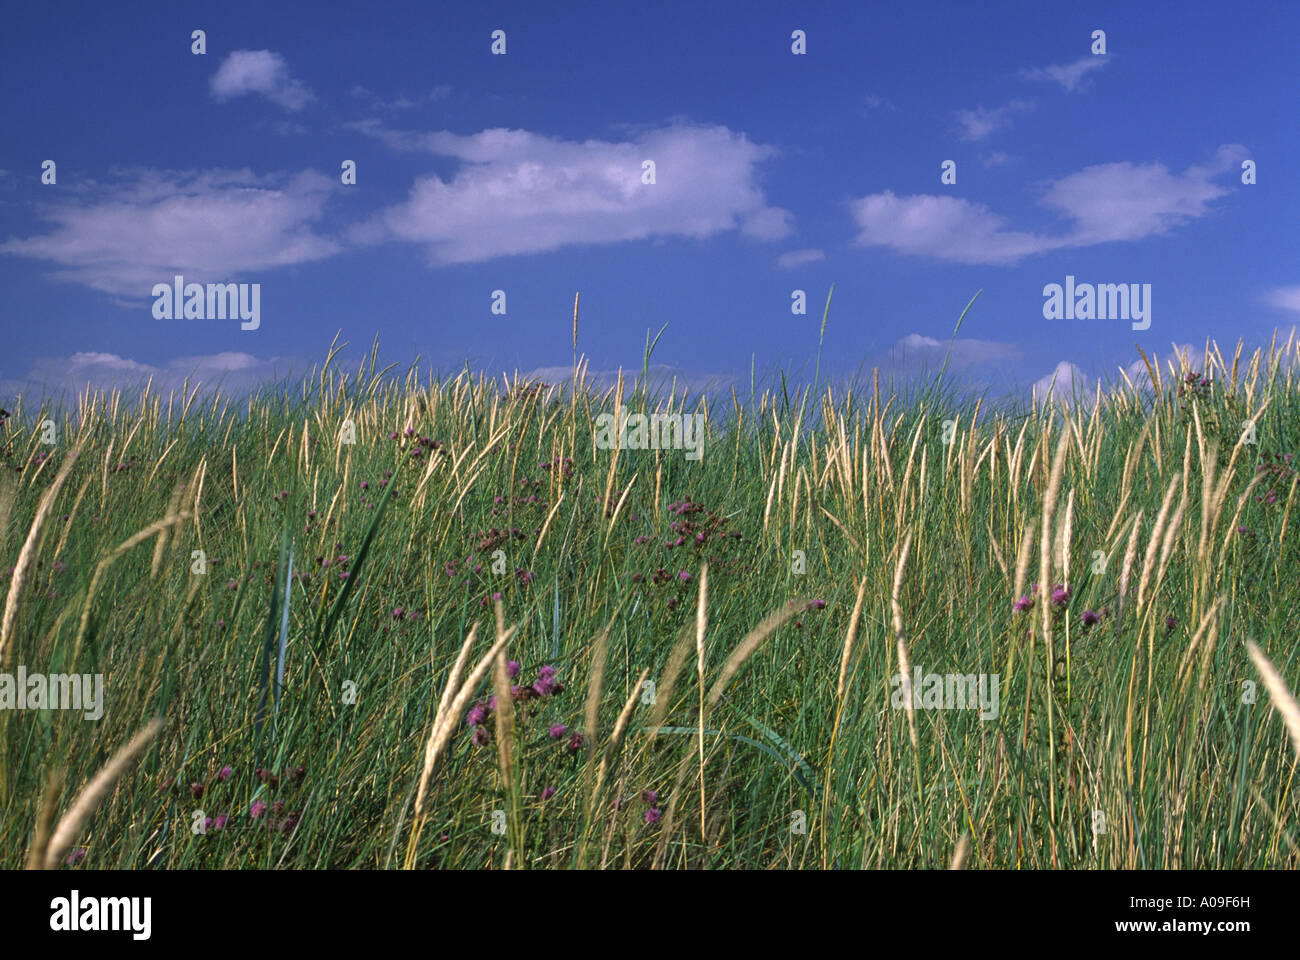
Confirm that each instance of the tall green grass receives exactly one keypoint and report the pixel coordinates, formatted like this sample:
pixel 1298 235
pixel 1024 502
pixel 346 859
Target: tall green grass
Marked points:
pixel 1147 739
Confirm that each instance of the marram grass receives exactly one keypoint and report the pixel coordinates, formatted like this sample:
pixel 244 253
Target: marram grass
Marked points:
pixel 322 625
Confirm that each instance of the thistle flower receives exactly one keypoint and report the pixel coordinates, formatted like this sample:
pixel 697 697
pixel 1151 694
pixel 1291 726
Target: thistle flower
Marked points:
pixel 545 684
pixel 548 792
pixel 557 730
pixel 1090 618
pixel 256 809
pixel 652 815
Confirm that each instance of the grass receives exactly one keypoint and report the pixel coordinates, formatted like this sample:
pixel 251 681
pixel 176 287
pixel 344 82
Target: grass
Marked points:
pixel 749 723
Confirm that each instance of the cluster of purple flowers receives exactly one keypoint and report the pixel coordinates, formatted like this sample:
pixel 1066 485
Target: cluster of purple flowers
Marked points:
pixel 527 391
pixel 543 688
pixel 651 800
pixel 564 466
pixel 1194 387
pixel 280 821
pixel 1060 597
pixel 1278 469
pixel 418 446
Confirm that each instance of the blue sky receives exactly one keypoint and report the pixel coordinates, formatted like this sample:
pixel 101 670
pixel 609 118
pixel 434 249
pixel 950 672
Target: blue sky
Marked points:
pixel 523 173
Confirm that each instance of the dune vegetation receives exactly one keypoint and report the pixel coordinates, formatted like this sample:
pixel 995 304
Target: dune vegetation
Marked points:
pixel 375 621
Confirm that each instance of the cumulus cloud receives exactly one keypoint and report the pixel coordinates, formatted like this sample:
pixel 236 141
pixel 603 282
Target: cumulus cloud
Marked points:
pixel 948 228
pixel 979 123
pixel 1064 385
pixel 262 72
pixel 1104 203
pixel 1127 201
pixel 518 192
pixel 1069 75
pixel 209 227
pixel 797 258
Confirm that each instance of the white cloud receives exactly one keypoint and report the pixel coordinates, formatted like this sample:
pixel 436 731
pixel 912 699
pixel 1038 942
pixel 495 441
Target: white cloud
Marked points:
pixel 1126 201
pixel 948 228
pixel 259 71
pixel 979 123
pixel 1068 75
pixel 1105 203
pixel 1284 298
pixel 233 373
pixel 916 349
pixel 1064 384
pixel 208 226
pixel 797 258
pixel 518 192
